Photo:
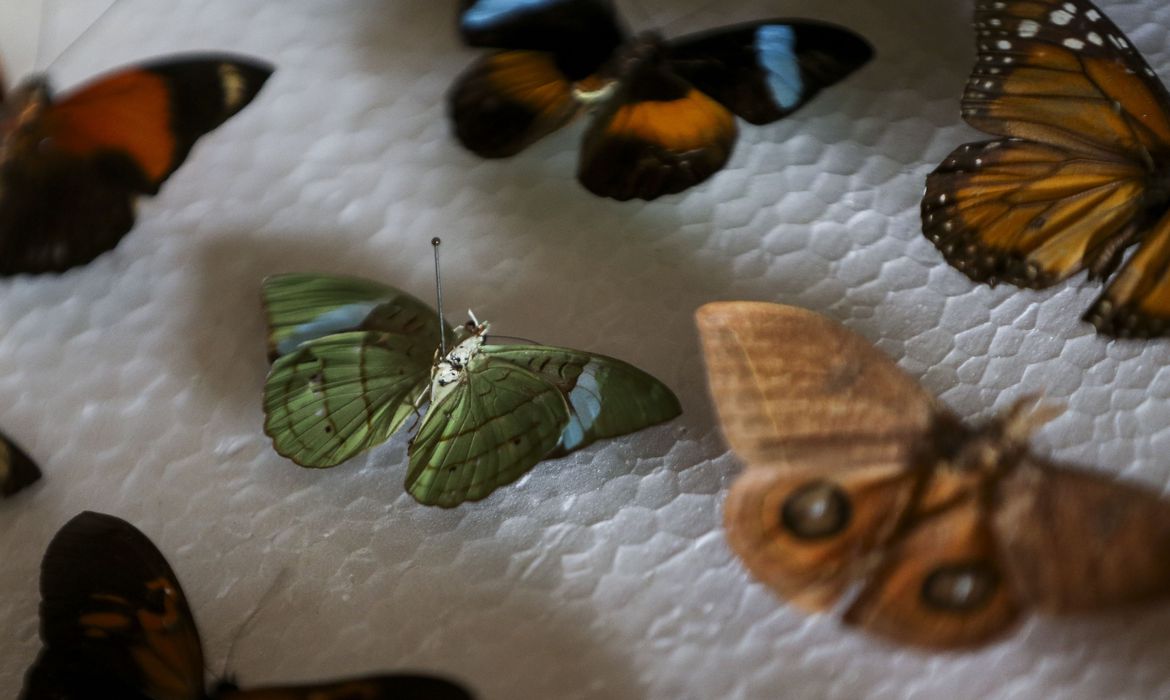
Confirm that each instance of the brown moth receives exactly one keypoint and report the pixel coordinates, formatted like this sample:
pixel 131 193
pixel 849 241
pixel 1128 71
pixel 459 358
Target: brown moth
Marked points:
pixel 861 489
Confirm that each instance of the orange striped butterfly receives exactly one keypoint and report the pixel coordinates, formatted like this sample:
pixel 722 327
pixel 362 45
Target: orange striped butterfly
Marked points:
pixel 71 168
pixel 115 624
pixel 1079 171
pixel 664 111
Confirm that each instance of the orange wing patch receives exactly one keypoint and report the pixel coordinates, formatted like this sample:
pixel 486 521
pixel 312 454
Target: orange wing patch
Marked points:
pixel 647 148
pixel 129 112
pixel 690 123
pixel 507 100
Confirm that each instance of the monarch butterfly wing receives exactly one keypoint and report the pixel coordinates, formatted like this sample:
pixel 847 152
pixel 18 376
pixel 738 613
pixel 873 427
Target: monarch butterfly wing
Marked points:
pixel 1030 213
pixel 73 171
pixel 301 307
pixel 606 397
pixel 657 135
pixel 498 422
pixel 786 381
pixel 337 396
pixel 508 100
pixel 763 71
pixel 1061 73
pixel 1094 120
pixel 385 687
pixel 113 614
pixel 1136 304
pixel 579 35
pixel 17 469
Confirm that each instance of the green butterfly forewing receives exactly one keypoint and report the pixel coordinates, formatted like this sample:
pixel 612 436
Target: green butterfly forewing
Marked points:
pixel 301 307
pixel 607 397
pixel 498 422
pixel 335 397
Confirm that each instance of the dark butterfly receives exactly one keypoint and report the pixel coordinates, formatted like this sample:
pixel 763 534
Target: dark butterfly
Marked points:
pixel 663 109
pixel 863 492
pixel 1078 173
pixel 71 168
pixel 17 469
pixel 115 624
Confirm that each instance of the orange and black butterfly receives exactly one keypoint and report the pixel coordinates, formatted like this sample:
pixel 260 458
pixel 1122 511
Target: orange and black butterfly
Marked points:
pixel 664 111
pixel 17 469
pixel 1079 170
pixel 115 624
pixel 71 168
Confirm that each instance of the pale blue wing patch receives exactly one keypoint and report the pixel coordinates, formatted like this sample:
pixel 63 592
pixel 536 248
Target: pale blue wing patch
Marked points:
pixel 342 318
pixel 485 13
pixel 585 398
pixel 776 52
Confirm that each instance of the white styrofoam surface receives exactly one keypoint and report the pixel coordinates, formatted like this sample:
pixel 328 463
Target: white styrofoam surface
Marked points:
pixel 136 381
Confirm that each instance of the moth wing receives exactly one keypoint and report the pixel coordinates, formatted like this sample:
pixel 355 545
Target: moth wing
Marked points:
pixel 113 614
pixel 580 35
pixel 337 396
pixel 495 425
pixel 73 173
pixel 386 687
pixel 810 537
pixel 300 307
pixel 606 396
pixel 1076 541
pixel 785 380
pixel 763 71
pixel 508 100
pixel 17 469
pixel 944 584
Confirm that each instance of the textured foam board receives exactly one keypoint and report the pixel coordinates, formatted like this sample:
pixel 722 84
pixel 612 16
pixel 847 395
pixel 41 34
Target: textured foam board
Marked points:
pixel 136 380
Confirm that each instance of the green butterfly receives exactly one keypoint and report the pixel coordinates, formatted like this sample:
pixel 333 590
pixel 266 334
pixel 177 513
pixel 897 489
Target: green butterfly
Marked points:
pixel 354 359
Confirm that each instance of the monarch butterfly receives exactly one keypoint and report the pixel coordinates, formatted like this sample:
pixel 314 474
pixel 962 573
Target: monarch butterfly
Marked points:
pixel 116 624
pixel 664 109
pixel 1079 171
pixel 71 167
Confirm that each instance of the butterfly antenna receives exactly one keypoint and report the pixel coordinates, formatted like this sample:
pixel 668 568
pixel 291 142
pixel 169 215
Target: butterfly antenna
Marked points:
pixel 44 24
pixel 439 299
pixel 668 24
pixel 247 623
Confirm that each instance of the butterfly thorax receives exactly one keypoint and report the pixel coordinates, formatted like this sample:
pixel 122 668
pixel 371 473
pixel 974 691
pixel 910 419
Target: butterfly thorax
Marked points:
pixel 448 372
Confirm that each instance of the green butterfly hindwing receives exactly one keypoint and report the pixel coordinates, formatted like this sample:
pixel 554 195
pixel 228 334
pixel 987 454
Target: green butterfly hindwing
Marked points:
pixel 303 306
pixel 497 423
pixel 337 396
pixel 607 397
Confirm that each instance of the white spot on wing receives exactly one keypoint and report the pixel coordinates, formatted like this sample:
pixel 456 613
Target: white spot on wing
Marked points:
pixel 1028 28
pixel 233 84
pixel 1075 44
pixel 1060 17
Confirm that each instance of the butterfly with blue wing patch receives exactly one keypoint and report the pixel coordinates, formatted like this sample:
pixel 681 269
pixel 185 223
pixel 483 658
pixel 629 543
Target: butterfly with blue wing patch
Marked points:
pixel 664 110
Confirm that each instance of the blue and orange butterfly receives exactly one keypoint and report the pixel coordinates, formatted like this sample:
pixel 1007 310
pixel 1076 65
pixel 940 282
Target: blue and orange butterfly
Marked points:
pixel 1079 171
pixel 663 109
pixel 116 624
